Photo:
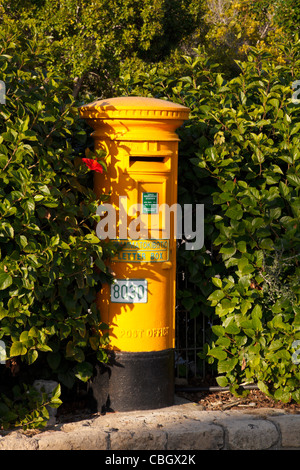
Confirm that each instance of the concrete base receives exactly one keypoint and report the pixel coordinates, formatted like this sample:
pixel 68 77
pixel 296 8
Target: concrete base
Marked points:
pixel 182 427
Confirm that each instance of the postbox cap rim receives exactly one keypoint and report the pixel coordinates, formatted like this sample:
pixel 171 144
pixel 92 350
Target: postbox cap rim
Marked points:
pixel 134 107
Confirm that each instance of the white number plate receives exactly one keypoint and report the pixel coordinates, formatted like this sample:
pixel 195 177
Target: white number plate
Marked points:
pixel 129 291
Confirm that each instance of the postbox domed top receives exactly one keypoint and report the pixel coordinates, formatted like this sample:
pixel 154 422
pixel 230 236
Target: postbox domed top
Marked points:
pixel 134 107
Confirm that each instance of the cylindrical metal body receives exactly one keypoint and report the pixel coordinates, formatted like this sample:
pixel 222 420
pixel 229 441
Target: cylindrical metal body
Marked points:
pixel 139 137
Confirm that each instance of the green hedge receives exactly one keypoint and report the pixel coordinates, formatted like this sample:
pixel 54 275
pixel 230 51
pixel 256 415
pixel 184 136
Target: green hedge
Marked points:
pixel 240 156
pixel 51 261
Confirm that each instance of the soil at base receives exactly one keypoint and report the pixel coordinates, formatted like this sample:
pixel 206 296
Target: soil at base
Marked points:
pixel 217 400
pixel 225 400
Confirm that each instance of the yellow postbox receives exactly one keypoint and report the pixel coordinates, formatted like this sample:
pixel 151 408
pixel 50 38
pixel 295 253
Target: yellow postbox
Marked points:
pixel 138 135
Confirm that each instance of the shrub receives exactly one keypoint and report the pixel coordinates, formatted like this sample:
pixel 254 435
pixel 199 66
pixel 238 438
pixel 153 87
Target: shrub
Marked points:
pixel 51 262
pixel 239 156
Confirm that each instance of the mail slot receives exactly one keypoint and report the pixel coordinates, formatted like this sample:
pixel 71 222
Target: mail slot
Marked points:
pixel 138 135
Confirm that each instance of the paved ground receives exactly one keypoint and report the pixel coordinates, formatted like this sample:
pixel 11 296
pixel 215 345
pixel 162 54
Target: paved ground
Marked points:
pixel 182 427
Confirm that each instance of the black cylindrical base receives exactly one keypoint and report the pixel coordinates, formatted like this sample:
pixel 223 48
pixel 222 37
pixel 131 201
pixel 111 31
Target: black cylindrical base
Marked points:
pixel 135 381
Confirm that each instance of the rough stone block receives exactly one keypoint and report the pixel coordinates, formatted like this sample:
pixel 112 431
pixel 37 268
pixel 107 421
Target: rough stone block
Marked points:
pixel 251 434
pixel 289 426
